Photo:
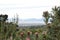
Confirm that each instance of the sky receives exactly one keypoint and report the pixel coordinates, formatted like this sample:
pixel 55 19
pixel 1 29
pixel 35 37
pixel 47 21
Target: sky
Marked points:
pixel 27 8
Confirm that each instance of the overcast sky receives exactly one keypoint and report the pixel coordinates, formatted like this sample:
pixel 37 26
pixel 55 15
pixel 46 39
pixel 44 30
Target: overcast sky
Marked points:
pixel 27 8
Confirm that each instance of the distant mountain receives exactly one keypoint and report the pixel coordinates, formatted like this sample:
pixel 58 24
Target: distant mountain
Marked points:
pixel 32 20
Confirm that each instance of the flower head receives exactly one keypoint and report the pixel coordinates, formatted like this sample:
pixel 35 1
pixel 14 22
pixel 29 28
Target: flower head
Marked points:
pixel 36 34
pixel 28 32
pixel 21 34
pixel 27 38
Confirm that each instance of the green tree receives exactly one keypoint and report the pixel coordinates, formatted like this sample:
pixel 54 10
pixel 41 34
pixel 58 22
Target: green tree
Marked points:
pixel 7 29
pixel 3 18
pixel 46 16
pixel 54 30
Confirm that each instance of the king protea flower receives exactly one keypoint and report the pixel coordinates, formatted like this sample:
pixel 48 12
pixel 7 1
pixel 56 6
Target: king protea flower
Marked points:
pixel 29 32
pixel 36 34
pixel 21 34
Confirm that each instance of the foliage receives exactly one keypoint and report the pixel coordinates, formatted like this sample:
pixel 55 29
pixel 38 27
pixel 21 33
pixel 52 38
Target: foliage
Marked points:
pixel 51 31
pixel 46 16
pixel 54 30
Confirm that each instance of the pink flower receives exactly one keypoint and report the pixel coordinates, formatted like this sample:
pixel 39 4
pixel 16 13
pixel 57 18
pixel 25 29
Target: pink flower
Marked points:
pixel 27 38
